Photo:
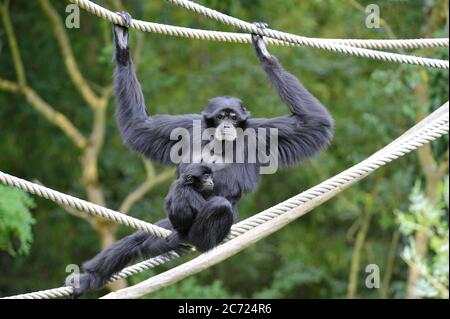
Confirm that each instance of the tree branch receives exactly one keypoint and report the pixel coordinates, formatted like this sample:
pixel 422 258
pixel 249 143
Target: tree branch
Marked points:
pixel 151 181
pixel 434 281
pixel 54 117
pixel 443 167
pixel 361 238
pixel 426 158
pixel 77 213
pixel 356 254
pixel 70 210
pixel 18 64
pixel 389 267
pixel 66 51
pixel 9 86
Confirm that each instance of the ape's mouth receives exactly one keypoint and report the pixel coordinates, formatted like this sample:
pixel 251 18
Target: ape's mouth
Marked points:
pixel 226 134
pixel 209 187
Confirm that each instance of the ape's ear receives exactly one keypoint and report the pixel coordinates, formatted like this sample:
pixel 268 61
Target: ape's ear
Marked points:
pixel 207 113
pixel 188 179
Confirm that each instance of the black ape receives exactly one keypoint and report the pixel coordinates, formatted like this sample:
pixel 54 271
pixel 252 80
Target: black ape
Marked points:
pixel 198 217
pixel 308 129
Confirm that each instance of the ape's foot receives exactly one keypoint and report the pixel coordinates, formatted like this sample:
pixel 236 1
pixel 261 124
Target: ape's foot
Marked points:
pixel 121 32
pixel 176 241
pixel 258 42
pixel 83 282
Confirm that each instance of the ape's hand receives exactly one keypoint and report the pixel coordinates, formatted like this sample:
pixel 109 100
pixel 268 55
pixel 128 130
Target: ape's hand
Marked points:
pixel 121 33
pixel 259 45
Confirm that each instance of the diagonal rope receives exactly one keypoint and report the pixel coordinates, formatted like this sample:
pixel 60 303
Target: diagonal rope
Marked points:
pixel 82 205
pixel 263 224
pixel 427 130
pixel 361 43
pixel 272 37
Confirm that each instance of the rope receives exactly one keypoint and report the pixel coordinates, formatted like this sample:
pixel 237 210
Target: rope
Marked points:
pixel 319 193
pixel 45 294
pixel 437 125
pixel 272 37
pixel 82 205
pixel 360 43
pixel 263 224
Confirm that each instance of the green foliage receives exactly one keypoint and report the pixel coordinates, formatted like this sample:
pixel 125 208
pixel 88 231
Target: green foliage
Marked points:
pixel 372 103
pixel 15 221
pixel 191 288
pixel 431 218
pixel 293 276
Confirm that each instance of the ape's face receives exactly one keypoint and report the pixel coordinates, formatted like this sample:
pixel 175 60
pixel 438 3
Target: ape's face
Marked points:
pixel 199 176
pixel 225 114
pixel 205 183
pixel 226 122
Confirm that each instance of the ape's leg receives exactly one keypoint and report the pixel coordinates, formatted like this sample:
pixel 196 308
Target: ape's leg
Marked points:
pixel 99 269
pixel 212 224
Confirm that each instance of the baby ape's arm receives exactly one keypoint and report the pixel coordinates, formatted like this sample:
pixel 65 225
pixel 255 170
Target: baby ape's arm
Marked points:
pixel 201 222
pixel 212 224
pixel 146 135
pixel 182 205
pixel 310 128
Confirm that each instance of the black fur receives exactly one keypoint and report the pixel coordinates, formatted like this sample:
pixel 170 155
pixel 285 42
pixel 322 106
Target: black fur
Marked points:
pixel 300 135
pixel 198 217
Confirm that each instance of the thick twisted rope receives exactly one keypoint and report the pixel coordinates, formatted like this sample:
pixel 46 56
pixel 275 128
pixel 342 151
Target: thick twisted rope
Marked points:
pixel 82 205
pixel 429 129
pixel 360 43
pixel 272 37
pixel 271 220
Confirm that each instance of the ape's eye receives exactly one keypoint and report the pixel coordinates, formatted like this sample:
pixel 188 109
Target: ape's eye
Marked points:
pixel 234 117
pixel 220 116
pixel 206 176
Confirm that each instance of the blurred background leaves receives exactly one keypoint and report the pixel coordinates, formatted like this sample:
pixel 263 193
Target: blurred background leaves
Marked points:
pixel 323 254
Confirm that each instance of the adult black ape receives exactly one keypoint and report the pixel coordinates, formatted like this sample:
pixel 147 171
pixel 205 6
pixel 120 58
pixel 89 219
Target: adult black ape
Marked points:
pixel 300 135
pixel 197 216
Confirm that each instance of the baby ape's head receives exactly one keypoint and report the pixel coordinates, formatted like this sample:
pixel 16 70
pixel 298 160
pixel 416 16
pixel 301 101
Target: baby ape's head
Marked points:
pixel 225 113
pixel 199 177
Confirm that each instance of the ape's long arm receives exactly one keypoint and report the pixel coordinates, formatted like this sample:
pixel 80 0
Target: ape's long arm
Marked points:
pixel 310 128
pixel 146 135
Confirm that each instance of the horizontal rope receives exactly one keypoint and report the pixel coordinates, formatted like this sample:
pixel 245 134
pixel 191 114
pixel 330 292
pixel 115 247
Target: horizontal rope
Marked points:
pixel 361 43
pixel 437 125
pixel 272 37
pixel 82 205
